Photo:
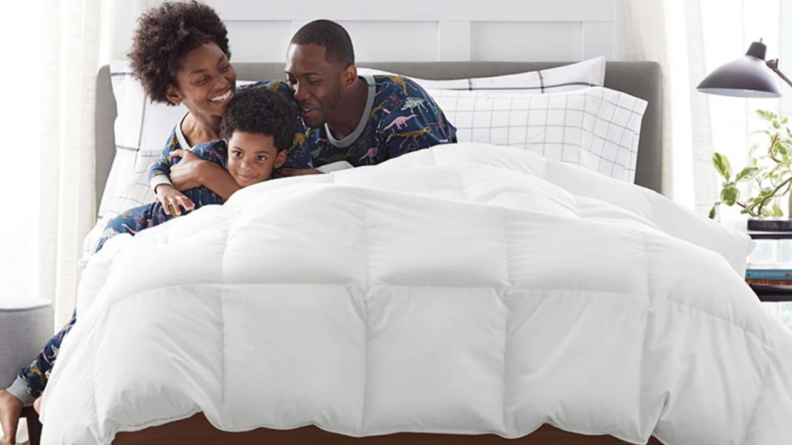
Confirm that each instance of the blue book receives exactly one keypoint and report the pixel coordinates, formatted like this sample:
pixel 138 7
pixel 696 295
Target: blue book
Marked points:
pixel 768 274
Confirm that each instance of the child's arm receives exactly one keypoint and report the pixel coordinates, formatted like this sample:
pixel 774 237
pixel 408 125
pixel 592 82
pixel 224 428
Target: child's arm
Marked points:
pixel 204 167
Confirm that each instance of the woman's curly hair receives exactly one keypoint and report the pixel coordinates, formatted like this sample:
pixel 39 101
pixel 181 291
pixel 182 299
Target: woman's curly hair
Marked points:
pixel 261 111
pixel 166 34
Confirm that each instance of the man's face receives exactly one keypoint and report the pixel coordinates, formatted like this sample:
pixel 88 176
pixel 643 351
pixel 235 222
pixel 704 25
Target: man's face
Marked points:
pixel 316 83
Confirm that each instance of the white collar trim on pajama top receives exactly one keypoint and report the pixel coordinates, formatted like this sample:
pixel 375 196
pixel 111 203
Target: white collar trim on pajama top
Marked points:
pixel 180 135
pixel 352 137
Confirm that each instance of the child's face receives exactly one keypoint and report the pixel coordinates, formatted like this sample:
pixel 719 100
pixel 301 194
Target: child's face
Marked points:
pixel 251 157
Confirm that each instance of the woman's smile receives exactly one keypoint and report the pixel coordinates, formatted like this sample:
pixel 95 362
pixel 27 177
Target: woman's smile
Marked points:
pixel 222 98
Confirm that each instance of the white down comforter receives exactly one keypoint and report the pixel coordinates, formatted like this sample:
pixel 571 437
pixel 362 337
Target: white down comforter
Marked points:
pixel 464 289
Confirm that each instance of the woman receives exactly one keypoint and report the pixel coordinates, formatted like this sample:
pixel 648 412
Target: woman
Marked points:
pixel 181 56
pixel 193 69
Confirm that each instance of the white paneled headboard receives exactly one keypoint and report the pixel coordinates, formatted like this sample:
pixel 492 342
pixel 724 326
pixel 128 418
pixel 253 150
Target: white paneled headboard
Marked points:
pixel 432 30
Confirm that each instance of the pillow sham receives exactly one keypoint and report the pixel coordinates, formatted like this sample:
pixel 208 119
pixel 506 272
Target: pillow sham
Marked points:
pixel 576 76
pixel 597 128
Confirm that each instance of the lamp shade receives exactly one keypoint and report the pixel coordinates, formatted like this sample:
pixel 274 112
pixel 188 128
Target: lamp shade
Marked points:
pixel 747 76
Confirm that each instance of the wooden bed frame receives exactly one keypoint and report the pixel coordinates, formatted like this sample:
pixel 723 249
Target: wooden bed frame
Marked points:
pixel 198 431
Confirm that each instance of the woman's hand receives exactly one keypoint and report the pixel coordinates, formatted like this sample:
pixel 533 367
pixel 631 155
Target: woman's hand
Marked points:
pixel 173 200
pixel 288 172
pixel 188 173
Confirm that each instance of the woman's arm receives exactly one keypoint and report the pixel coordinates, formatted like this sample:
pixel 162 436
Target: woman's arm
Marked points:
pixel 194 172
pixel 159 171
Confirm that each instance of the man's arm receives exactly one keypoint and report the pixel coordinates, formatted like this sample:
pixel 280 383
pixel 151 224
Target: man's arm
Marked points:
pixel 416 123
pixel 422 133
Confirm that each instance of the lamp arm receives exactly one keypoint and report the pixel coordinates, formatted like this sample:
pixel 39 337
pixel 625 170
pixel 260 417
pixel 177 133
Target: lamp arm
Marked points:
pixel 773 65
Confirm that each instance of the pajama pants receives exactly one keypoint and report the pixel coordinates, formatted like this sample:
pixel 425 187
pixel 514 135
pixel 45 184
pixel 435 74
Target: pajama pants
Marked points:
pixel 31 381
pixel 133 221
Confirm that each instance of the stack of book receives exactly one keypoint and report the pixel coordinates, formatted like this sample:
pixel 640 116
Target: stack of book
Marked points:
pixel 775 274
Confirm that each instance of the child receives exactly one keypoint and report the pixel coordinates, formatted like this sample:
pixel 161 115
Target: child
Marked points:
pixel 257 130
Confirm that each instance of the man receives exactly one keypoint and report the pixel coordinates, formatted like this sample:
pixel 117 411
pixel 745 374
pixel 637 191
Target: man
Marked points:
pixel 362 120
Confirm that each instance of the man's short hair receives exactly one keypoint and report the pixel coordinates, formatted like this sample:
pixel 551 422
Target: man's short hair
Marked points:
pixel 330 35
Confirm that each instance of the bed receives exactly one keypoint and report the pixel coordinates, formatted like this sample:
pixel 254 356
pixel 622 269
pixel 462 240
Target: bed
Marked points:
pixel 617 417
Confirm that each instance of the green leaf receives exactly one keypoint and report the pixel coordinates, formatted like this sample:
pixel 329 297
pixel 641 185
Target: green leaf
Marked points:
pixel 766 212
pixel 777 212
pixel 777 168
pixel 713 211
pixel 765 114
pixel 747 174
pixel 765 192
pixel 730 195
pixel 722 165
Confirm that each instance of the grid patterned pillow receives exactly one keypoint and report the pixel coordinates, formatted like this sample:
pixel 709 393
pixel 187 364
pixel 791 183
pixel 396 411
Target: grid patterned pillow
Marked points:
pixel 597 128
pixel 576 76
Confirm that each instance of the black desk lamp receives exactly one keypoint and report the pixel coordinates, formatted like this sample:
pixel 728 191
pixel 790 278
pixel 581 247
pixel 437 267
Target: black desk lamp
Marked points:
pixel 747 76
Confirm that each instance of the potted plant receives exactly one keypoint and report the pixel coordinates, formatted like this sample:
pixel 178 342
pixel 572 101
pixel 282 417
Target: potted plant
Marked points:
pixel 768 170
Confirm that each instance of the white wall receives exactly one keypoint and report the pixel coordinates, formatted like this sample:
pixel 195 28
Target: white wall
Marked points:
pixel 431 30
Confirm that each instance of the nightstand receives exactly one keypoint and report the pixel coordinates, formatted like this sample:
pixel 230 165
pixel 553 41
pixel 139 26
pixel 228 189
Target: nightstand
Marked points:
pixel 25 326
pixel 769 293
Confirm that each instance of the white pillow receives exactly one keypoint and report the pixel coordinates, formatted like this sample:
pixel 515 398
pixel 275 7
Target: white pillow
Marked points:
pixel 597 128
pixel 577 76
